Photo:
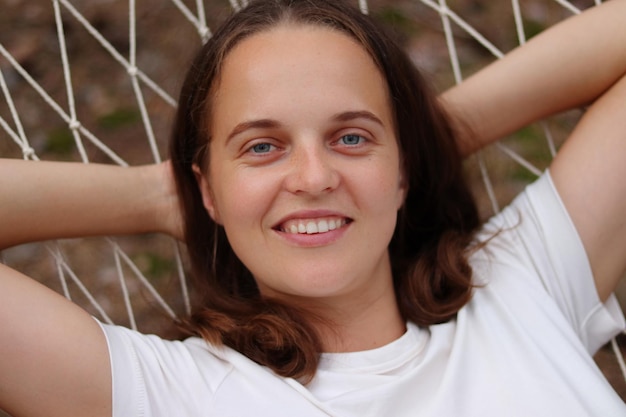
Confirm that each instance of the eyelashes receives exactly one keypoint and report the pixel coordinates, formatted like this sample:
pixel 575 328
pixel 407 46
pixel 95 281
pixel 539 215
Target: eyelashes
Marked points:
pixel 349 143
pixel 261 148
pixel 352 139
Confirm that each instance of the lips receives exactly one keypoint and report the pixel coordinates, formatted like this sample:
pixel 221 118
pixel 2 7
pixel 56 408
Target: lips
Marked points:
pixel 313 225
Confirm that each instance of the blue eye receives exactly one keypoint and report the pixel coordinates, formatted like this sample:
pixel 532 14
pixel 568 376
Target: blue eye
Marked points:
pixel 261 148
pixel 351 140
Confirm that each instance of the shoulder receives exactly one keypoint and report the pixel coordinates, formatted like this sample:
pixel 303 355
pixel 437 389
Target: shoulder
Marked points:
pixel 535 228
pixel 151 373
pixel 161 378
pixel 534 258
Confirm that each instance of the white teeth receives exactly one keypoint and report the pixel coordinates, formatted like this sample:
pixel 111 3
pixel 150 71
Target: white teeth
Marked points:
pixel 311 227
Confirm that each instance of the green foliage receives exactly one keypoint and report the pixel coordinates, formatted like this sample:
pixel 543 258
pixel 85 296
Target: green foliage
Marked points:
pixel 533 28
pixel 520 173
pixel 119 118
pixel 526 136
pixel 59 141
pixel 531 144
pixel 396 19
pixel 155 266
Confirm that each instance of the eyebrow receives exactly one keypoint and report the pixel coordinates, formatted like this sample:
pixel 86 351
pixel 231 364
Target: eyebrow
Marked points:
pixel 274 124
pixel 252 124
pixel 361 114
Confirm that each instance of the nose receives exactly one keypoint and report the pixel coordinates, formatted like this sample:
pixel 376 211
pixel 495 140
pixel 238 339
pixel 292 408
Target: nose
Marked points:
pixel 312 170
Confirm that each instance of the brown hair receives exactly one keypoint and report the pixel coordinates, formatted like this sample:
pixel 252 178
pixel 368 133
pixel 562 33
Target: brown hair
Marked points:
pixel 428 250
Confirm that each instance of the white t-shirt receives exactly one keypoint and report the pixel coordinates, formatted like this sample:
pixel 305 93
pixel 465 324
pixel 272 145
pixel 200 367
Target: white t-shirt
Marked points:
pixel 521 347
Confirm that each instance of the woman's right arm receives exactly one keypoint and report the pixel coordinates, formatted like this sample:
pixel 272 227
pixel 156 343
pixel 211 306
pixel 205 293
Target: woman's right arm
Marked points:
pixel 54 359
pixel 50 200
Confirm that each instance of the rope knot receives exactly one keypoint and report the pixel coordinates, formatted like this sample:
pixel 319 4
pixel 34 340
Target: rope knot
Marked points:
pixel 132 71
pixel 204 32
pixel 28 152
pixel 74 124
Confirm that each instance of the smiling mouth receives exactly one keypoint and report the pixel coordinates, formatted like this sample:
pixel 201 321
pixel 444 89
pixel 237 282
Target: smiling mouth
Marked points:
pixel 313 226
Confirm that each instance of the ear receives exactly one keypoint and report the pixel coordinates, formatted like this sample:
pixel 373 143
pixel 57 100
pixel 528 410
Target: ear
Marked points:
pixel 207 194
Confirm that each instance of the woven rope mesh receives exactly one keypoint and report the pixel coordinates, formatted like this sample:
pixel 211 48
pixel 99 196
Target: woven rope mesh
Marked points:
pixel 97 80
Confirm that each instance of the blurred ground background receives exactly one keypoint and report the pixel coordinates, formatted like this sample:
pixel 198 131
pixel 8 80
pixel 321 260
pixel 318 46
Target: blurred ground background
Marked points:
pixel 107 106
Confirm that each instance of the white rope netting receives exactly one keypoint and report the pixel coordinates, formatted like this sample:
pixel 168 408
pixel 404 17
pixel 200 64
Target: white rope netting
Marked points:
pixel 95 81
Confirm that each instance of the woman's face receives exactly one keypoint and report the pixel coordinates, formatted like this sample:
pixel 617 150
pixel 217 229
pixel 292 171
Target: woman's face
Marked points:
pixel 304 170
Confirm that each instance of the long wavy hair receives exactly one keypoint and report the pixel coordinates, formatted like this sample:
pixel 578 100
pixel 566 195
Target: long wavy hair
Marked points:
pixel 429 247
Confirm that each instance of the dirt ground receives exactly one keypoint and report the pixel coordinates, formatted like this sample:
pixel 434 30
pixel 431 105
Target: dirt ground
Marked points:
pixel 107 106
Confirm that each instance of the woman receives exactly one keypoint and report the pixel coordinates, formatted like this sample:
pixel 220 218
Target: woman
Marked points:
pixel 324 208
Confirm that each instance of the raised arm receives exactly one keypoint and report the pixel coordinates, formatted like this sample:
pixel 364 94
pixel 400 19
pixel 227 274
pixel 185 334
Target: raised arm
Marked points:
pixel 578 62
pixel 48 200
pixel 569 65
pixel 53 355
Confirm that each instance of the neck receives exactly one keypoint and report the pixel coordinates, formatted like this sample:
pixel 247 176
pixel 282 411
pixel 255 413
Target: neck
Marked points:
pixel 363 317
pixel 357 323
pixel 370 329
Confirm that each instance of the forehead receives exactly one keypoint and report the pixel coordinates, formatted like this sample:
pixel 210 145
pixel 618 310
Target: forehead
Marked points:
pixel 292 67
pixel 293 36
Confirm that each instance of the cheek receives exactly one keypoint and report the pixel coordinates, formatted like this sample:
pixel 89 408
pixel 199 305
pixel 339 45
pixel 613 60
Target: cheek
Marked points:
pixel 379 194
pixel 242 201
pixel 384 186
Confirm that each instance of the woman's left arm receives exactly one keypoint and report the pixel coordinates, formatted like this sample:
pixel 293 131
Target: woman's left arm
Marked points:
pixel 589 173
pixel 577 62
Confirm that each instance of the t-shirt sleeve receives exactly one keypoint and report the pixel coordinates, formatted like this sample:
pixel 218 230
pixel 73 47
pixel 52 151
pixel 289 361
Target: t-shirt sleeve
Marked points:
pixel 155 377
pixel 541 236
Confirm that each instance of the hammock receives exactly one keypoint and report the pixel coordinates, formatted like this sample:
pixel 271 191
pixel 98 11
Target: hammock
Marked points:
pixel 95 81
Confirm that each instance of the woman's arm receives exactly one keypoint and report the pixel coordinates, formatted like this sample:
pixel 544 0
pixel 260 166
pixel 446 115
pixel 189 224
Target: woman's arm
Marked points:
pixel 53 356
pixel 580 61
pixel 47 200
pixel 569 65
pixel 590 174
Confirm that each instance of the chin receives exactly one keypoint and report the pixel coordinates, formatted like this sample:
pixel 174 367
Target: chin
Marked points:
pixel 321 285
